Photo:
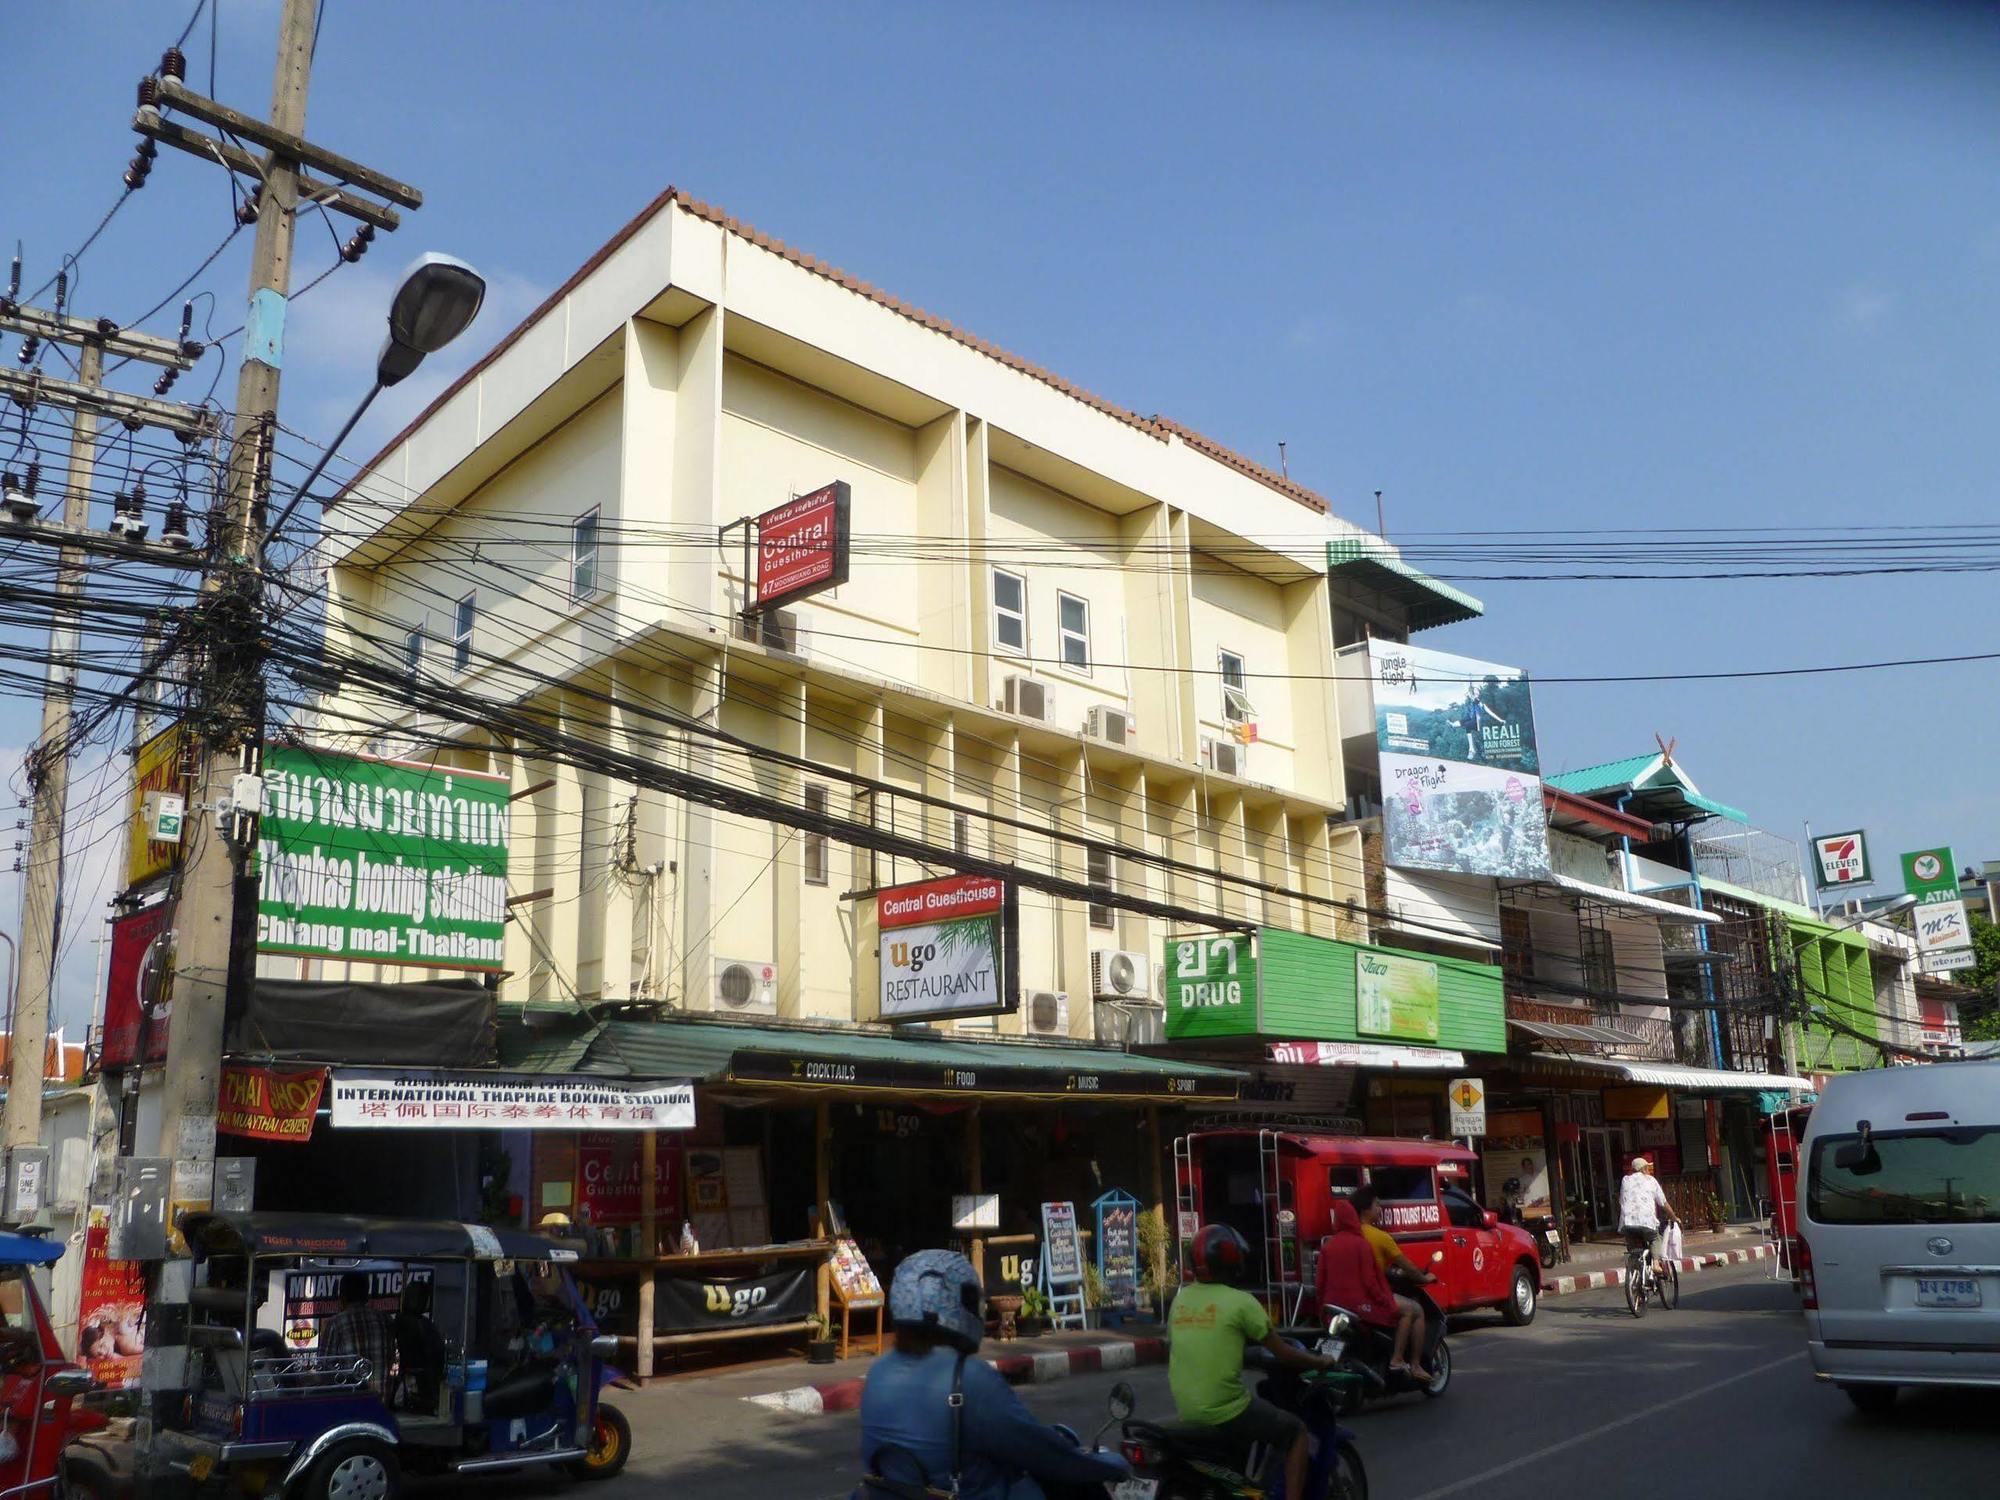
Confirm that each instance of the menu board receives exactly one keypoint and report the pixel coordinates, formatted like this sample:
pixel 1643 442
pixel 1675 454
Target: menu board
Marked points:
pixel 1062 1250
pixel 853 1278
pixel 1118 1251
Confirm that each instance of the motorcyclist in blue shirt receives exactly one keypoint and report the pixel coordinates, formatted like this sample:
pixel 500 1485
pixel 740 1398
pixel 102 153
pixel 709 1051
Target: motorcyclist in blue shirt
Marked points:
pixel 932 1411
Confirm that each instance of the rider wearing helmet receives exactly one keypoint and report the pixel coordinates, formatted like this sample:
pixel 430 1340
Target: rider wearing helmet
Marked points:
pixel 1211 1324
pixel 935 1420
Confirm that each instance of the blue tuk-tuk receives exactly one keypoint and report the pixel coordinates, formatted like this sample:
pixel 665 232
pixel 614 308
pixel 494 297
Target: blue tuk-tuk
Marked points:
pixel 329 1356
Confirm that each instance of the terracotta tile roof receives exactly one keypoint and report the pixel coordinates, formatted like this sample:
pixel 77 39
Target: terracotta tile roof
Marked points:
pixel 1155 426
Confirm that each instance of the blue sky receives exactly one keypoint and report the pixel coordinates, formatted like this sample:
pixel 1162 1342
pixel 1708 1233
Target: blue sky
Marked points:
pixel 1516 266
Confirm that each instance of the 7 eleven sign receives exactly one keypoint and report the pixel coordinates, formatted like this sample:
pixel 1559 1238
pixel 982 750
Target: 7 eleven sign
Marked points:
pixel 1842 859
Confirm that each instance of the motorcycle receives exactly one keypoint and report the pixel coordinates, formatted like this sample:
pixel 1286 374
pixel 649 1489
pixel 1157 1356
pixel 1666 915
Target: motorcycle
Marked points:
pixel 1548 1238
pixel 1173 1461
pixel 1364 1349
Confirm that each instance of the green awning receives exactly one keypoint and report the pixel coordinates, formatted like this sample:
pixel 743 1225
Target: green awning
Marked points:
pixel 1425 601
pixel 1720 809
pixel 809 1058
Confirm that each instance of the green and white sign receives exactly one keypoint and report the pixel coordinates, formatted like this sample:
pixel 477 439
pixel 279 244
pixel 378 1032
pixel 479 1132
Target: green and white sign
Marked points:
pixel 381 861
pixel 1212 985
pixel 1944 935
pixel 1931 875
pixel 1395 996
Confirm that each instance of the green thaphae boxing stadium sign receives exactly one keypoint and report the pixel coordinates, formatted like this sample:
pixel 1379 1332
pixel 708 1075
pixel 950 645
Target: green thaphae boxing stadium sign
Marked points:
pixel 381 861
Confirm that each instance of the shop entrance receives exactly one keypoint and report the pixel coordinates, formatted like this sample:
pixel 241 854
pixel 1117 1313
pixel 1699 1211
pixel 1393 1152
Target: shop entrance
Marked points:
pixel 1599 1153
pixel 893 1171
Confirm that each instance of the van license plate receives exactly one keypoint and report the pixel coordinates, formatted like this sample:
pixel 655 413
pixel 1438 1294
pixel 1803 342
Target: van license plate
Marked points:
pixel 1136 1489
pixel 1948 1291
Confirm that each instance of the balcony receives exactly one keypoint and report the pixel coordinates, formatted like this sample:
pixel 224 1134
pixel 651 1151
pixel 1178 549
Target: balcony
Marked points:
pixel 1587 1030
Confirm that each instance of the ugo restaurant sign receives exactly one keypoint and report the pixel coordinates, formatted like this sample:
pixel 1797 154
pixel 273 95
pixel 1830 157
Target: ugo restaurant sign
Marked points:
pixel 941 948
pixel 381 860
pixel 802 545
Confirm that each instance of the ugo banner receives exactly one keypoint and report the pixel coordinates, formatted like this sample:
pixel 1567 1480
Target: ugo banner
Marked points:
pixel 425 1099
pixel 269 1104
pixel 687 1305
pixel 941 948
pixel 1395 996
pixel 381 860
pixel 1461 774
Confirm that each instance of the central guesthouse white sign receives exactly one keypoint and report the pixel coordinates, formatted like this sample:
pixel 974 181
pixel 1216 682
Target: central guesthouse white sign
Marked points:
pixel 941 947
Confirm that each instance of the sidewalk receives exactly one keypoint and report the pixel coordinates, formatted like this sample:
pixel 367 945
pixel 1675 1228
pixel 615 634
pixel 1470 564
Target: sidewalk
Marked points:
pixel 1595 1255
pixel 1594 1266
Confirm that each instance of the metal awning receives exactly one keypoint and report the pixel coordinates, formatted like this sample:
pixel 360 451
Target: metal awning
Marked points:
pixel 1672 1075
pixel 1567 1031
pixel 1426 601
pixel 1368 1055
pixel 1667 911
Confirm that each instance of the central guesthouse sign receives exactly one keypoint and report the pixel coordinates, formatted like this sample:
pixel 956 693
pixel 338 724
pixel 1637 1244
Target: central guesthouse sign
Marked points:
pixel 942 948
pixel 802 545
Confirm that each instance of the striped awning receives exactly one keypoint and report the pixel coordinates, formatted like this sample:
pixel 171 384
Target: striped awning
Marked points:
pixel 1673 1075
pixel 1598 1035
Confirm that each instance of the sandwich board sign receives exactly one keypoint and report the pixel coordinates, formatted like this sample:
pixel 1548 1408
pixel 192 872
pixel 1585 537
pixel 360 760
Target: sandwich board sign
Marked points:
pixel 1062 1265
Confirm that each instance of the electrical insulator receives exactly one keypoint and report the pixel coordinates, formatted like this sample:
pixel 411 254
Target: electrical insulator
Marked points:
pixel 32 478
pixel 18 502
pixel 174 530
pixel 357 246
pixel 62 289
pixel 166 381
pixel 30 347
pixel 149 92
pixel 187 318
pixel 14 281
pixel 173 64
pixel 246 211
pixel 141 165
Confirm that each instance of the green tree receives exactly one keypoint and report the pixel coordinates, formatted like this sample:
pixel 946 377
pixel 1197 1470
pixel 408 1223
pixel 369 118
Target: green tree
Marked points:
pixel 1979 1014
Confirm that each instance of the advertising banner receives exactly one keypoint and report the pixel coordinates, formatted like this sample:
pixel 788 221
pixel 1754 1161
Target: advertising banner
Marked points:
pixel 269 1104
pixel 1461 775
pixel 802 545
pixel 311 1297
pixel 941 948
pixel 685 1306
pixel 159 766
pixel 1395 996
pixel 610 1173
pixel 111 1309
pixel 138 949
pixel 382 1098
pixel 1211 985
pixel 1517 1175
pixel 381 860
pixel 1841 859
pixel 1008 1270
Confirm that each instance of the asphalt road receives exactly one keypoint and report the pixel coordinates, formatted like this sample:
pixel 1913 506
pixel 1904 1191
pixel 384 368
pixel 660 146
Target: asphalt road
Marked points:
pixel 1712 1400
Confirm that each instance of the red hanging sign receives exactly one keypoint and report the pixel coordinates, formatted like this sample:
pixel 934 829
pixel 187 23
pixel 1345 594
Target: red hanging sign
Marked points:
pixel 802 545
pixel 269 1104
pixel 138 947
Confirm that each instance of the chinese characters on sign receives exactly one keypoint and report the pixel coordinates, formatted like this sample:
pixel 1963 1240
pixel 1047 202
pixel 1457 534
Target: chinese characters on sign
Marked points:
pixel 385 1099
pixel 802 545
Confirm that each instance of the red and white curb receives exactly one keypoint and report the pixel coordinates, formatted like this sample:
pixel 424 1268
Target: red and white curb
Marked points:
pixel 1562 1286
pixel 1020 1369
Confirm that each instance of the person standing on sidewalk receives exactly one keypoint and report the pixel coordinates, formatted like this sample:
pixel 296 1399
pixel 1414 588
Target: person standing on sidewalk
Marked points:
pixel 1641 1202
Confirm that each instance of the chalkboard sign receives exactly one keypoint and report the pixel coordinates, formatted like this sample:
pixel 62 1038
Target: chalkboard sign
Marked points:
pixel 1118 1249
pixel 1062 1251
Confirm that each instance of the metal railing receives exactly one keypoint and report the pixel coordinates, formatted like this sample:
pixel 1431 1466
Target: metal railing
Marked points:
pixel 319 1374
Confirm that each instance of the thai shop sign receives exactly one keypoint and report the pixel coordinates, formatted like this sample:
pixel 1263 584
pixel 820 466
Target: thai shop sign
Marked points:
pixel 381 860
pixel 942 948
pixel 1212 985
pixel 1461 775
pixel 427 1099
pixel 1944 935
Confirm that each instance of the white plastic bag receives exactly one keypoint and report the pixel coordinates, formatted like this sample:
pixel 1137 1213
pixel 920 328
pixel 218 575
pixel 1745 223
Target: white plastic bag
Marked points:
pixel 1670 1242
pixel 10 1447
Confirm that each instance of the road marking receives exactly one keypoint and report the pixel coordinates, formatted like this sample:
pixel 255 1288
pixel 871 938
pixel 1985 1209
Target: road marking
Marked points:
pixel 1475 1480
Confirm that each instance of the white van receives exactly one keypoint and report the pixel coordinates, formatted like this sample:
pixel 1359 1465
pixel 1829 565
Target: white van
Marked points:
pixel 1899 1211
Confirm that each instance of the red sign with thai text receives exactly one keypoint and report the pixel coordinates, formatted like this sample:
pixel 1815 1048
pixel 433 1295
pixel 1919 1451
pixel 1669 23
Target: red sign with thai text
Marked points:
pixel 111 1310
pixel 939 900
pixel 138 946
pixel 802 545
pixel 269 1104
pixel 610 1169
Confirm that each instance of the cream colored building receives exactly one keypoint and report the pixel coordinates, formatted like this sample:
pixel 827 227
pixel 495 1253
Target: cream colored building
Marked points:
pixel 1046 594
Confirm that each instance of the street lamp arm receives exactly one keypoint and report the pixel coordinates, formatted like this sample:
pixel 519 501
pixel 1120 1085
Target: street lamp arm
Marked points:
pixel 317 469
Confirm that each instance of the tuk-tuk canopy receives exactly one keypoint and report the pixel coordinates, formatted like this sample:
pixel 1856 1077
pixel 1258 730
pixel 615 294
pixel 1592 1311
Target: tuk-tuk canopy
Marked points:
pixel 349 1237
pixel 28 1250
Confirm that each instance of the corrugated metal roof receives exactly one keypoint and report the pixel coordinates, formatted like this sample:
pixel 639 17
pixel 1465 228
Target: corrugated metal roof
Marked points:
pixel 1613 775
pixel 1720 809
pixel 1427 601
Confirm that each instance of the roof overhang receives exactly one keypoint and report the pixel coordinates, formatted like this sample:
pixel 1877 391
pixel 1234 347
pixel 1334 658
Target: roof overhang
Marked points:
pixel 1425 601
pixel 1672 1075
pixel 1576 814
pixel 1604 895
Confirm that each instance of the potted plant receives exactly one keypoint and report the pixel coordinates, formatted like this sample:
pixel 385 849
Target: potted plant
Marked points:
pixel 1159 1277
pixel 820 1346
pixel 1093 1295
pixel 1034 1318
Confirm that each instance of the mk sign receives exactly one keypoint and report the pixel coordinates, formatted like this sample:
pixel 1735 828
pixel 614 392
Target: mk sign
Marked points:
pixel 802 545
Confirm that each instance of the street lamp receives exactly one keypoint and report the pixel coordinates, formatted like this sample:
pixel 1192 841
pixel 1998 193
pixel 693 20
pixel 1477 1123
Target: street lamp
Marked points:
pixel 439 298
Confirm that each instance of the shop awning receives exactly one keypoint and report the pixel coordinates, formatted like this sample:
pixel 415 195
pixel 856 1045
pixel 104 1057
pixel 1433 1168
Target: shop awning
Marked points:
pixel 1666 911
pixel 1568 1031
pixel 1368 1055
pixel 810 1058
pixel 1672 1075
pixel 1425 600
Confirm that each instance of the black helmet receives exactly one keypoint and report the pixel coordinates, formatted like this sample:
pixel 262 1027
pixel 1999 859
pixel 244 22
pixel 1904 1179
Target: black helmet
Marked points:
pixel 1220 1254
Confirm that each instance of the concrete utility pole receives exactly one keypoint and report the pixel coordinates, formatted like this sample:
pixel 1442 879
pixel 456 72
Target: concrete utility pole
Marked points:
pixel 230 698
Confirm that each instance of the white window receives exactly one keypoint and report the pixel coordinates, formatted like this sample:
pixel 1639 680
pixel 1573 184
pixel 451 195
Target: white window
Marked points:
pixel 1235 696
pixel 1073 629
pixel 583 556
pixel 1010 612
pixel 1100 875
pixel 961 833
pixel 461 631
pixel 413 652
pixel 816 842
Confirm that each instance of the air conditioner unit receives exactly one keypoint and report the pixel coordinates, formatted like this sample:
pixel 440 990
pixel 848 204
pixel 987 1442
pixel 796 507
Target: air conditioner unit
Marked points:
pixel 1047 1013
pixel 1112 725
pixel 774 630
pixel 745 987
pixel 1220 755
pixel 1119 975
pixel 1027 697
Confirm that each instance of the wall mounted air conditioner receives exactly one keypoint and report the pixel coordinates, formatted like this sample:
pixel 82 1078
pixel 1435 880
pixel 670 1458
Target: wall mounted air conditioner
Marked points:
pixel 1047 1013
pixel 1220 755
pixel 745 987
pixel 1117 974
pixel 775 630
pixel 1114 726
pixel 1027 697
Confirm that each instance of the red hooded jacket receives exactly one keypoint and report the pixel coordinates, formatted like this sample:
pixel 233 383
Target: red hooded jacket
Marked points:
pixel 1349 1274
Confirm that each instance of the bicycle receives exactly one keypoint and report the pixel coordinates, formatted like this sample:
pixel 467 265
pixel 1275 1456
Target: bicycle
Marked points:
pixel 1641 1284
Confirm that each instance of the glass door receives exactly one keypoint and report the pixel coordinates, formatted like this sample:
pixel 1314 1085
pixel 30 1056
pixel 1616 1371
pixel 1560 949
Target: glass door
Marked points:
pixel 1603 1177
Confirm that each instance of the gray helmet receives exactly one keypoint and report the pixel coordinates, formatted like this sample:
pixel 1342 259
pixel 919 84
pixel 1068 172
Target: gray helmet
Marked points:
pixel 938 1289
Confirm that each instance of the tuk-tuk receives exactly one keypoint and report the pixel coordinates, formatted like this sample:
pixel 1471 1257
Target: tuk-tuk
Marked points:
pixel 38 1387
pixel 328 1356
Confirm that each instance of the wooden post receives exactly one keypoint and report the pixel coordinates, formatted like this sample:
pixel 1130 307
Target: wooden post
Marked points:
pixel 977 1245
pixel 1167 1219
pixel 823 1193
pixel 649 1245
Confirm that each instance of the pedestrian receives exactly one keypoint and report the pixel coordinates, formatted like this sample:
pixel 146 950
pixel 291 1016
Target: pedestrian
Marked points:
pixel 358 1329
